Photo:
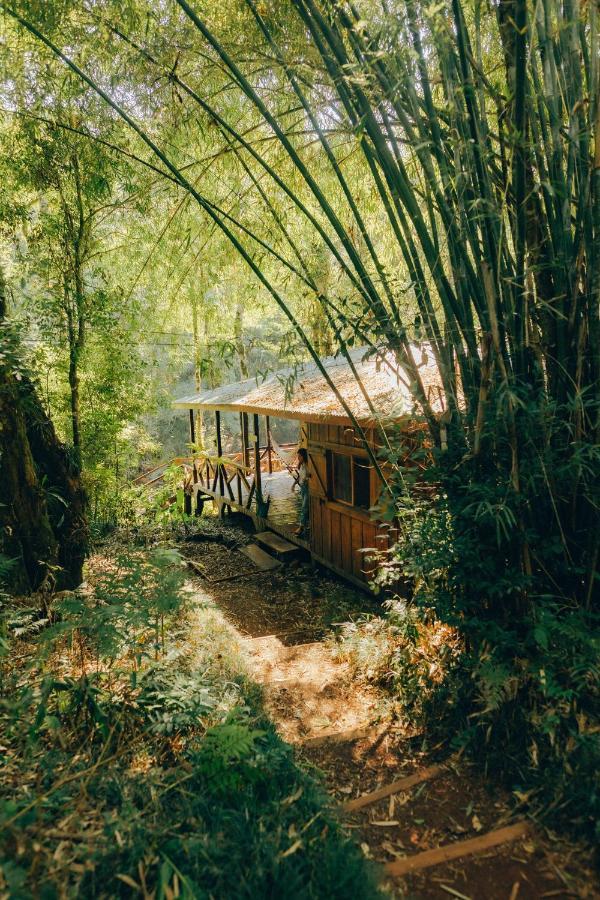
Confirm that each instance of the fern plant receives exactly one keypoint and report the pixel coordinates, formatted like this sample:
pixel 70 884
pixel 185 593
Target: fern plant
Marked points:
pixel 229 756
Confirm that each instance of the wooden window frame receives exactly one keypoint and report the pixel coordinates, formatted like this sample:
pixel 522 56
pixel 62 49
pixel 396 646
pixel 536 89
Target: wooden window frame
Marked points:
pixel 329 468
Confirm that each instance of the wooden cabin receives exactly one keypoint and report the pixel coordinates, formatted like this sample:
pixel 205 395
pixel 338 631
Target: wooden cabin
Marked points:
pixel 343 485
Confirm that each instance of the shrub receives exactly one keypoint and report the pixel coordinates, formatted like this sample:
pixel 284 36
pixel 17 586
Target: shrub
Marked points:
pixel 515 675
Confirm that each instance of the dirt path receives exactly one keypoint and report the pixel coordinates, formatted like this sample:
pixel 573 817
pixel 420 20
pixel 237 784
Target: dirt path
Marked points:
pixel 342 728
pixel 307 693
pixel 337 726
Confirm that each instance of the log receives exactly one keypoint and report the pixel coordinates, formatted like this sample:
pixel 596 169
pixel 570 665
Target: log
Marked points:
pixel 444 854
pixel 404 784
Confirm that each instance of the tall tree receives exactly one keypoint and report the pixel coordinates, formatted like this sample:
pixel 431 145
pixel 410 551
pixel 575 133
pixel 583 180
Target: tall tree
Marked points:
pixel 43 530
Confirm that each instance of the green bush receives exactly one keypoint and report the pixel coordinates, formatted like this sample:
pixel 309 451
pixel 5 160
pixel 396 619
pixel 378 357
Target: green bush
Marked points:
pixel 133 762
pixel 523 689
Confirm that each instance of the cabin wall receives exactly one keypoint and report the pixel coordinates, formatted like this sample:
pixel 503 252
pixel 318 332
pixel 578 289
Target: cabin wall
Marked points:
pixel 341 530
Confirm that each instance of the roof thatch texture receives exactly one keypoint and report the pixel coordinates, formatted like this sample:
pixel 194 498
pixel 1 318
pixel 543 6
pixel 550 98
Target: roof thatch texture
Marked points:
pixel 303 393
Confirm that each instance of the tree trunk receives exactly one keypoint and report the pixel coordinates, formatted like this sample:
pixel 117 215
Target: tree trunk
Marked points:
pixel 75 346
pixel 26 536
pixel 43 529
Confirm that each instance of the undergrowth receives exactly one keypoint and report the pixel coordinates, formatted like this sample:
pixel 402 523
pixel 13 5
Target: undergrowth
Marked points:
pixel 137 760
pixel 520 693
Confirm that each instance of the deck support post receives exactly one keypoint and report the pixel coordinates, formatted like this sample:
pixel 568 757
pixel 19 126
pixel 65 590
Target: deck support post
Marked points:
pixel 269 447
pixel 193 443
pixel 219 451
pixel 245 439
pixel 257 457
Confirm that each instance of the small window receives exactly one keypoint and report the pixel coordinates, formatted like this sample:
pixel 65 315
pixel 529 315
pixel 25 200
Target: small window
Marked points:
pixel 361 476
pixel 349 479
pixel 342 478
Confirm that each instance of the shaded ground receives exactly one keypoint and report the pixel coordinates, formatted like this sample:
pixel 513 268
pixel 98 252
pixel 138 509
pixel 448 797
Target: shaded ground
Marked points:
pixel 297 603
pixel 342 728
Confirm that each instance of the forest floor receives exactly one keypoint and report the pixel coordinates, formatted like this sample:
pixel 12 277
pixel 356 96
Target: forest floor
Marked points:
pixel 286 620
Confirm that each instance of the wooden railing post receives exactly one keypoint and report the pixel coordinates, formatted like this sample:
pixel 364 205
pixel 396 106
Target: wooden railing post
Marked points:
pixel 257 476
pixel 269 448
pixel 193 443
pixel 239 488
pixel 219 452
pixel 245 440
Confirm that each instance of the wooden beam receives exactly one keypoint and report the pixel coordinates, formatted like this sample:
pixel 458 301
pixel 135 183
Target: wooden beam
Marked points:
pixel 404 784
pixel 219 450
pixel 269 448
pixel 444 854
pixel 257 474
pixel 245 439
pixel 193 442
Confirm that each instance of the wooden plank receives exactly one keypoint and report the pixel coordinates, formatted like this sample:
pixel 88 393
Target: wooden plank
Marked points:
pixel 347 434
pixel 340 737
pixel 318 471
pixel 276 544
pixel 257 472
pixel 346 540
pixel 219 451
pixel 245 441
pixel 375 485
pixel 404 784
pixel 444 854
pixel 316 536
pixel 269 447
pixel 368 541
pixel 352 511
pixel 357 542
pixel 326 531
pixel 262 560
pixel 336 543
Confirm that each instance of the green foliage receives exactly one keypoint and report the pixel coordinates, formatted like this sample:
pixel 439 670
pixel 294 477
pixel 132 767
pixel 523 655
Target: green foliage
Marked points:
pixel 166 771
pixel 229 758
pixel 126 612
pixel 524 689
pixel 174 701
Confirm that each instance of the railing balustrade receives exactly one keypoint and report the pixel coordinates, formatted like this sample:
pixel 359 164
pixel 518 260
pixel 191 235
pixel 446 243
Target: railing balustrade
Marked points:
pixel 238 480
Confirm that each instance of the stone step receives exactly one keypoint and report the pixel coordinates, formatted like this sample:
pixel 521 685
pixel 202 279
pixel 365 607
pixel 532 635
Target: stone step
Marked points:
pixel 276 545
pixel 261 560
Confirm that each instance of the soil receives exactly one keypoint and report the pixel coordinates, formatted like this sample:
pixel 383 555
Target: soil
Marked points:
pixel 218 563
pixel 342 728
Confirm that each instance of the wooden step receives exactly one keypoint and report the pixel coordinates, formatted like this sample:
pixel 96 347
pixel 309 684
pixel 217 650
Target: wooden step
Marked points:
pixel 394 788
pixel 359 732
pixel 276 545
pixel 260 559
pixel 448 852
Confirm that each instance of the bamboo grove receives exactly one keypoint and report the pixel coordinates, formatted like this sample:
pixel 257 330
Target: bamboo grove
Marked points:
pixel 478 127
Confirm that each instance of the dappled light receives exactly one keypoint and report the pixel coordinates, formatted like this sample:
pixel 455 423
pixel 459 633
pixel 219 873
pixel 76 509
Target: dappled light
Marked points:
pixel 299 449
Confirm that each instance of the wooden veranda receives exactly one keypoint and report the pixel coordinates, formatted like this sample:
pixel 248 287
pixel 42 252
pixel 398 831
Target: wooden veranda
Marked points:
pixel 254 481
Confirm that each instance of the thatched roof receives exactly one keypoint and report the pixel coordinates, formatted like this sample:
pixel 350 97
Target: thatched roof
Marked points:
pixel 304 394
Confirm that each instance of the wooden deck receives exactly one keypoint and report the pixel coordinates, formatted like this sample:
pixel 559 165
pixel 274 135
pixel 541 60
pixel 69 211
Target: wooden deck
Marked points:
pixel 283 514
